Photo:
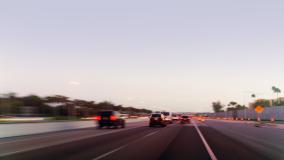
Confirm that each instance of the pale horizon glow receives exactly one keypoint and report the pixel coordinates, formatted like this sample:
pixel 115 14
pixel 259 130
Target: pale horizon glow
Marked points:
pixel 75 83
pixel 170 55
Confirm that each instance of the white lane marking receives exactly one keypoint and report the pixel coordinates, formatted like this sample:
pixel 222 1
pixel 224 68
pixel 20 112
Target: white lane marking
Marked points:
pixel 201 123
pixel 149 134
pixel 209 150
pixel 121 147
pixel 110 152
pixel 64 141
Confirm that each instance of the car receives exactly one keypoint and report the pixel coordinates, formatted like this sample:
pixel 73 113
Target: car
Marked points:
pixel 201 119
pixel 175 117
pixel 110 119
pixel 157 119
pixel 184 119
pixel 168 117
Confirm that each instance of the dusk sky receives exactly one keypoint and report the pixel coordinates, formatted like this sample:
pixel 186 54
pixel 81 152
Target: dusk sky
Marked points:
pixel 157 54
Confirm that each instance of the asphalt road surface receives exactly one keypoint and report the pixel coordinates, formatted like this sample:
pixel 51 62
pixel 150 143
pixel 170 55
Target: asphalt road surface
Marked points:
pixel 207 140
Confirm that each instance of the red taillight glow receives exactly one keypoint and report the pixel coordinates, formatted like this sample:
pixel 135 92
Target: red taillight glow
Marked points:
pixel 98 118
pixel 113 118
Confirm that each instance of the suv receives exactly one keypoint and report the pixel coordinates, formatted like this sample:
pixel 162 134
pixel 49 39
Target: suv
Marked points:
pixel 157 119
pixel 168 117
pixel 110 118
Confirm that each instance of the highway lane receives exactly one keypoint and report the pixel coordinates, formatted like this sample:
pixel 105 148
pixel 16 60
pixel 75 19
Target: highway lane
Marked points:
pixel 266 141
pixel 136 142
pixel 225 147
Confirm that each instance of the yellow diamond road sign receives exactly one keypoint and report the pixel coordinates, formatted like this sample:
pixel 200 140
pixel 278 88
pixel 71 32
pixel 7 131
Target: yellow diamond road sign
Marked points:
pixel 259 109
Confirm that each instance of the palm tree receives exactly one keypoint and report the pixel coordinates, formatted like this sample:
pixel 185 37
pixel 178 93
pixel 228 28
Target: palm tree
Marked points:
pixel 277 91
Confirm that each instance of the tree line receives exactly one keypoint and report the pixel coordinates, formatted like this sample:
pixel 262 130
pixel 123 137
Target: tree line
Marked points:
pixel 231 106
pixel 58 105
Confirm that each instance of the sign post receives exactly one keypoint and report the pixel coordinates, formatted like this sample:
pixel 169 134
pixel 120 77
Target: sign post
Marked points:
pixel 258 110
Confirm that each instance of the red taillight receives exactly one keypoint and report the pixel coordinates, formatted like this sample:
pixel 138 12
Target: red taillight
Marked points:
pixel 113 118
pixel 98 118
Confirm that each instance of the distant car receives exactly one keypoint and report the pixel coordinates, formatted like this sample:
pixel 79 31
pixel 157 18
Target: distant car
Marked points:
pixel 110 119
pixel 184 119
pixel 175 117
pixel 201 119
pixel 168 117
pixel 124 116
pixel 157 119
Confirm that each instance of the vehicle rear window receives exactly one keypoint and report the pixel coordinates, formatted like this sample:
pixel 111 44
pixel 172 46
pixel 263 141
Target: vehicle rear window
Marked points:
pixel 106 113
pixel 184 116
pixel 166 113
pixel 156 115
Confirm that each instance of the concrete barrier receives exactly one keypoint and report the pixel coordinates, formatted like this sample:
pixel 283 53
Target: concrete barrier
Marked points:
pixel 269 112
pixel 11 130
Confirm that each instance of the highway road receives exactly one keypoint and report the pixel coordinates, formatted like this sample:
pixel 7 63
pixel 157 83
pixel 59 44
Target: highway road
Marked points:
pixel 212 139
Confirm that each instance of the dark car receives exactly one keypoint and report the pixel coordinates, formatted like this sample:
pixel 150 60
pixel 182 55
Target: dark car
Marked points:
pixel 157 119
pixel 185 119
pixel 110 119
